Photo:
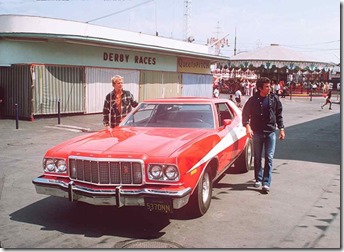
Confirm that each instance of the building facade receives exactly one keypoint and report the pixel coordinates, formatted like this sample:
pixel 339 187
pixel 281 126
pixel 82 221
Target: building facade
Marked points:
pixel 48 62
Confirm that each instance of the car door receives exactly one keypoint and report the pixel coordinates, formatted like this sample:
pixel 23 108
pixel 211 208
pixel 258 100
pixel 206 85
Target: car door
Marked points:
pixel 227 132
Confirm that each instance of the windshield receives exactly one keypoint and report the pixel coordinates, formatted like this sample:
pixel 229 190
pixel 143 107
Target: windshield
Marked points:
pixel 172 116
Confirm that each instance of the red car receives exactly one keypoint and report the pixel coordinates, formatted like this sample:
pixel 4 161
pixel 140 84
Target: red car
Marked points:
pixel 165 155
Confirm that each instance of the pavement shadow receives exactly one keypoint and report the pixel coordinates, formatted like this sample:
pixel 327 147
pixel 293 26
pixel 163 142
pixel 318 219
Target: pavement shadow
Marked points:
pixel 53 213
pixel 248 186
pixel 310 143
pixel 305 142
pixel 313 141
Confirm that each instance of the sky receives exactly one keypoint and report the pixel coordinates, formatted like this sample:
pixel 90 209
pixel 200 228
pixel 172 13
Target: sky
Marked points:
pixel 311 27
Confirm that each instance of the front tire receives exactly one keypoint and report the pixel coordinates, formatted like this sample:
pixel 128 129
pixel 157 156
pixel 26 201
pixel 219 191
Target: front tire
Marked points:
pixel 201 198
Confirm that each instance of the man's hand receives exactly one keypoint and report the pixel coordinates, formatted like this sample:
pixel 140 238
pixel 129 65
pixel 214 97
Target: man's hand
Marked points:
pixel 106 125
pixel 281 134
pixel 249 132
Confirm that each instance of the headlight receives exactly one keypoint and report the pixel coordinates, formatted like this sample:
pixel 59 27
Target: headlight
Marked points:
pixel 54 165
pixel 171 172
pixel 49 165
pixel 162 172
pixel 155 172
pixel 61 165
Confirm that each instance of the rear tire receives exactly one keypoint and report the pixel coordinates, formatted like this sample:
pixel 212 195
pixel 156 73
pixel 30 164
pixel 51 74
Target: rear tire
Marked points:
pixel 245 161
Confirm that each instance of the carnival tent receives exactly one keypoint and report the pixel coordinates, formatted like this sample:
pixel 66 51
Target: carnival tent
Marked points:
pixel 279 57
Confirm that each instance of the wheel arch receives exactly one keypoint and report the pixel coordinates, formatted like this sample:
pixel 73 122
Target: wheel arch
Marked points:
pixel 213 165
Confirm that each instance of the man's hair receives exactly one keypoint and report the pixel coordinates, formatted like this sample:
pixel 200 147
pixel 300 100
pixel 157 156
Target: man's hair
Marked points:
pixel 261 81
pixel 115 78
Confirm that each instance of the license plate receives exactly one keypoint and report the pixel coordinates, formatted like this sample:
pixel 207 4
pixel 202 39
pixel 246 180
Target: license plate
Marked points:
pixel 158 205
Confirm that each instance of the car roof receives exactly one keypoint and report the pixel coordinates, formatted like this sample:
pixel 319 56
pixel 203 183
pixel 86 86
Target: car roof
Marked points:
pixel 185 99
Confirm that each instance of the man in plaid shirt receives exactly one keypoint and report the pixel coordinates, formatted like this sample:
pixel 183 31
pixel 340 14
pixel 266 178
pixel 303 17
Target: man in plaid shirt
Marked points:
pixel 118 103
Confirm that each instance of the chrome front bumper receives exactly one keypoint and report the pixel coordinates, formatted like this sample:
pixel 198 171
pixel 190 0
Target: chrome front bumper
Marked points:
pixel 116 197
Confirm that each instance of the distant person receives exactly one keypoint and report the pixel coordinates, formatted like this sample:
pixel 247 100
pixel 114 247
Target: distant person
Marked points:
pixel 284 91
pixel 325 88
pixel 277 89
pixel 252 87
pixel 231 98
pixel 2 97
pixel 330 85
pixel 328 99
pixel 216 92
pixel 238 95
pixel 273 86
pixel 118 103
pixel 260 115
pixel 247 88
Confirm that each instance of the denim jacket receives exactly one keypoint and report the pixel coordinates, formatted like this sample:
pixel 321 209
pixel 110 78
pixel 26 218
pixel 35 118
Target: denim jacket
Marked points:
pixel 259 120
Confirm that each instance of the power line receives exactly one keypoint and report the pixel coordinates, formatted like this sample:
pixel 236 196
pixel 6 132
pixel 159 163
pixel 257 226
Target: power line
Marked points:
pixel 321 43
pixel 320 49
pixel 295 46
pixel 117 12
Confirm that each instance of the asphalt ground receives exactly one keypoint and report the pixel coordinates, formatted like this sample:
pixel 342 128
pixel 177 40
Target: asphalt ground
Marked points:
pixel 304 198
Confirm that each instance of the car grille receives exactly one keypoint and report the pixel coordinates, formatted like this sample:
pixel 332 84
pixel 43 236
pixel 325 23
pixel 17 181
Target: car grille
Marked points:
pixel 106 172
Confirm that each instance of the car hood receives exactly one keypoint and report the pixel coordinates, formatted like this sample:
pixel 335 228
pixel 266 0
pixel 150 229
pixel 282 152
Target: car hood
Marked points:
pixel 157 142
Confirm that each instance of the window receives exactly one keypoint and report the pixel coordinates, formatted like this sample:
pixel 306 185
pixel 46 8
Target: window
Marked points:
pixel 172 116
pixel 223 112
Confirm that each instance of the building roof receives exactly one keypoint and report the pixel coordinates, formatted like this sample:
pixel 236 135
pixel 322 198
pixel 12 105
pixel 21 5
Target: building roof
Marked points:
pixel 21 27
pixel 279 56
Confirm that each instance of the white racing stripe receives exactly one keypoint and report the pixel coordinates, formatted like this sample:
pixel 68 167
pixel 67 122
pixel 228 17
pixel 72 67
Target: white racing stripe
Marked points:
pixel 233 136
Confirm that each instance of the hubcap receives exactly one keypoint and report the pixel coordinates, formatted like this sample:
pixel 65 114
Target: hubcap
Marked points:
pixel 205 187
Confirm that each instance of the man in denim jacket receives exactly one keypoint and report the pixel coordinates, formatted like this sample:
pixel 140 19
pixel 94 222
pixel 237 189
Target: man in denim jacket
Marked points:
pixel 260 115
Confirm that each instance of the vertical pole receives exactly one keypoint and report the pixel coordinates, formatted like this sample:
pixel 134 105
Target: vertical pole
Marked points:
pixel 235 38
pixel 58 112
pixel 17 115
pixel 290 90
pixel 311 93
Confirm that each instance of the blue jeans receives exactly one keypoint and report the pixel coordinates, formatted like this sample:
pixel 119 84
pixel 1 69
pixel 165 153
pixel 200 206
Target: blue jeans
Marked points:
pixel 268 141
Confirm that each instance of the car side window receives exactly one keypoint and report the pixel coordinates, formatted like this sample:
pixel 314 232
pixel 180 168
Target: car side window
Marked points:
pixel 223 112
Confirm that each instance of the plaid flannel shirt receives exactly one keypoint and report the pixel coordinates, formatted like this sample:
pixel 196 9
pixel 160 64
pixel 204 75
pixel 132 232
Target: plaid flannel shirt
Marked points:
pixel 111 114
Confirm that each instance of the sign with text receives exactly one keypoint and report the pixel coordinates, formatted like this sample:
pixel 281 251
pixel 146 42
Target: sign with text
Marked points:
pixel 138 60
pixel 186 65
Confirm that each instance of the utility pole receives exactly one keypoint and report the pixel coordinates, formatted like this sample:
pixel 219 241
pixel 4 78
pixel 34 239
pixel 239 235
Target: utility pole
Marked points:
pixel 187 22
pixel 235 43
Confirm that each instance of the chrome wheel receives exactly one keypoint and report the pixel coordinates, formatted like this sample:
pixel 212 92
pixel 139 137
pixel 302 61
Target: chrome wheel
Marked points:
pixel 201 197
pixel 205 188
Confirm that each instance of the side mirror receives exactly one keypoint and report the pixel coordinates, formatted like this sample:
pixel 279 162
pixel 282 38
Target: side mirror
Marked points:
pixel 227 122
